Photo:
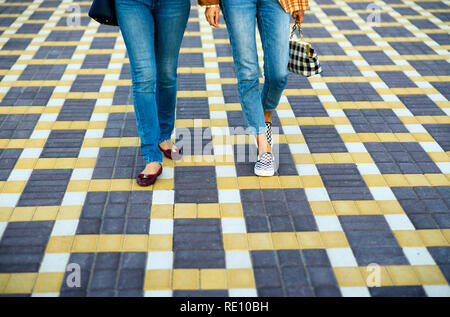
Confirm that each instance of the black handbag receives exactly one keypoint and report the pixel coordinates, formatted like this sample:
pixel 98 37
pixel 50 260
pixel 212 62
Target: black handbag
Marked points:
pixel 104 12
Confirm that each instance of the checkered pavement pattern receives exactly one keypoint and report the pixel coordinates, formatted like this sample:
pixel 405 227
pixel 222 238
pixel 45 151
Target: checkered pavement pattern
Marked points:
pixel 362 187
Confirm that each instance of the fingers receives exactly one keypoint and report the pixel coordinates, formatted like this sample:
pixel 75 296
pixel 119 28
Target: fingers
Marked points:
pixel 212 16
pixel 298 15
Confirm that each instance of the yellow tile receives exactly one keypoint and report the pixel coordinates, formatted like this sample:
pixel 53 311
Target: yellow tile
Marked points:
pixel 395 180
pixel 158 279
pixel 185 211
pixel 390 207
pixel 240 278
pixel 5 213
pixel 408 238
pixel 161 184
pixel 342 158
pixel 284 240
pixel 345 207
pixel 439 156
pixel 374 180
pixel 135 242
pixel 121 184
pixel 349 276
pixel 303 159
pixel 417 180
pixel 387 137
pixel 405 137
pixel 437 180
pixel 429 275
pixel 208 211
pixel 376 276
pixel 46 213
pixel 311 181
pixel 361 157
pixel 334 239
pixel 48 282
pixel 160 242
pixel 11 187
pixel 20 283
pixel 446 233
pixel 368 137
pixel 260 241
pixel 227 183
pixel 22 214
pixel 162 211
pixel 186 279
pixel 213 279
pixel 3 281
pixel 235 241
pixel 422 137
pixel 248 182
pixel 294 138
pixel 65 162
pixel 69 212
pixel 322 158
pixel 100 185
pixel 290 182
pixel 231 210
pixel 85 162
pixel 110 242
pixel 269 182
pixel 368 207
pixel 59 244
pixel 85 243
pixel 46 163
pixel 432 237
pixel 310 240
pixel 322 208
pixel 26 163
pixel 350 137
pixel 402 275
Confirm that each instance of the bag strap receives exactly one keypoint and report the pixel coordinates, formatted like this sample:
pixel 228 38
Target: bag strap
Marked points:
pixel 297 26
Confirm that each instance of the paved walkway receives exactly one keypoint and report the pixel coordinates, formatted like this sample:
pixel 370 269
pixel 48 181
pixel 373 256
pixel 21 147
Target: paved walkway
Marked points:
pixel 362 197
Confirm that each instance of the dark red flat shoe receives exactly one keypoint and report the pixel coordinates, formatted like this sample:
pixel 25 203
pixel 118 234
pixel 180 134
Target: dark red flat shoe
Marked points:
pixel 148 179
pixel 171 153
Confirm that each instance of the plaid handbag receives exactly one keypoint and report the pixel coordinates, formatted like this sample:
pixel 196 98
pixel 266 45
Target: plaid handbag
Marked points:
pixel 303 59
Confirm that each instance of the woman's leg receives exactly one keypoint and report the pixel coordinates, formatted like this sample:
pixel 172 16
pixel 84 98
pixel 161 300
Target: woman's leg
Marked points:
pixel 171 17
pixel 240 18
pixel 273 25
pixel 137 27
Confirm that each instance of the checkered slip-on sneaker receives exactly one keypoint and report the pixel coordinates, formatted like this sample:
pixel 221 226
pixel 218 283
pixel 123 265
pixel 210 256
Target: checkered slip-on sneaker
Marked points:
pixel 265 166
pixel 269 133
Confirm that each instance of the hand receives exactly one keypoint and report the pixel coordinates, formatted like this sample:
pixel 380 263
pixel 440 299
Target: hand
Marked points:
pixel 298 15
pixel 212 16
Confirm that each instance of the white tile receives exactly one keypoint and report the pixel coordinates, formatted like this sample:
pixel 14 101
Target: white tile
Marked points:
pixel 298 148
pixel 73 198
pixel 167 173
pixel 31 153
pixel 307 169
pixel 382 193
pixel 355 147
pixel 242 292
pixel 431 147
pixel 437 290
pixel 94 133
pixel 418 256
pixel 218 114
pixel 340 257
pixel 238 260
pixel 402 112
pixel 415 128
pixel 3 225
pixel 20 174
pixel 444 167
pixel 233 225
pixel 82 174
pixel 399 222
pixel 159 260
pixel 221 149
pixel 163 197
pixel 285 114
pixel 334 113
pixel 292 129
pixel 48 117
pixel 158 293
pixel 9 200
pixel 229 196
pixel 161 226
pixel 317 194
pixel 45 294
pixel 89 152
pixel 40 134
pixel 368 169
pixel 355 291
pixel 65 227
pixel 344 128
pixel 225 171
pixel 54 262
pixel 328 223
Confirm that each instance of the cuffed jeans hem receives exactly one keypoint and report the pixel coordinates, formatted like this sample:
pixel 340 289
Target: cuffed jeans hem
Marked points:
pixel 150 160
pixel 256 131
pixel 163 139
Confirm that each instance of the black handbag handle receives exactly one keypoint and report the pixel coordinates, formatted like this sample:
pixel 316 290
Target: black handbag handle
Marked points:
pixel 297 26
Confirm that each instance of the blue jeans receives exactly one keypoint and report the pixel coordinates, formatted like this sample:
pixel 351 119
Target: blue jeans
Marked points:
pixel 153 31
pixel 241 17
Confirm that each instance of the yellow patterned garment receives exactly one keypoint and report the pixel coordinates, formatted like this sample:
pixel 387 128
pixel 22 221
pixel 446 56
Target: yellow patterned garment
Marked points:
pixel 289 6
